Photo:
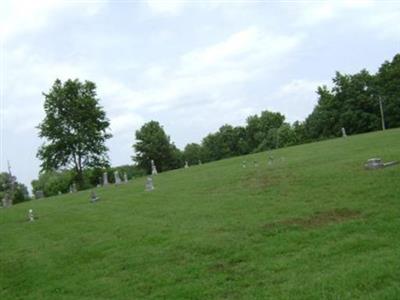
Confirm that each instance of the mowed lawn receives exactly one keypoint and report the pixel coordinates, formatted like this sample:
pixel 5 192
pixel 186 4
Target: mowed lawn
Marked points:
pixel 314 224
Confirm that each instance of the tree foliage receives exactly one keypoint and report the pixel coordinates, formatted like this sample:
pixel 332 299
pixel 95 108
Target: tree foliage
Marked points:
pixel 17 191
pixel 152 143
pixel 75 128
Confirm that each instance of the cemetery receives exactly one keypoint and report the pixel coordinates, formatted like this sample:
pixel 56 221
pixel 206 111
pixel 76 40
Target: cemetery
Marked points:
pixel 282 221
pixel 187 149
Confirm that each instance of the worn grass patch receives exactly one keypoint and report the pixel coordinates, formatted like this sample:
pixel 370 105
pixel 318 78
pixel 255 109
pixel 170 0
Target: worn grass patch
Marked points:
pixel 318 219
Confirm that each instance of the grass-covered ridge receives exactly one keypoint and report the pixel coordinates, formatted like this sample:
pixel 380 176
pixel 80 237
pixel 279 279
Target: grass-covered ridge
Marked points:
pixel 313 225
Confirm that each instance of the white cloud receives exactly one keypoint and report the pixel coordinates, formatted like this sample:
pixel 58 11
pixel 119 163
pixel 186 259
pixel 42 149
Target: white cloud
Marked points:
pixel 25 15
pixel 124 121
pixel 166 7
pixel 311 13
pixel 295 99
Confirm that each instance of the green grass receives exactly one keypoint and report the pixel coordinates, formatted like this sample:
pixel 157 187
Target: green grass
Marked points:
pixel 313 225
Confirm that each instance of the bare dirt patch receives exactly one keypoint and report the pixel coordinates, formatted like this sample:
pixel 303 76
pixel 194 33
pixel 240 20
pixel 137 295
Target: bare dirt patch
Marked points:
pixel 318 219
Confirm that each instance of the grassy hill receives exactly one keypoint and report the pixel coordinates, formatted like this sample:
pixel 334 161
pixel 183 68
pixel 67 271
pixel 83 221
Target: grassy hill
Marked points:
pixel 312 225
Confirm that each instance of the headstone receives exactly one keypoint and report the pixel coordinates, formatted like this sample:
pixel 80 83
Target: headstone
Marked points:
pixel 153 168
pixel 31 217
pixel 59 193
pixel 72 188
pixel 39 194
pixel 125 177
pixel 149 184
pixel 7 201
pixel 255 163
pixel 200 162
pixel 344 132
pixel 105 178
pixel 93 197
pixel 374 163
pixel 270 159
pixel 244 164
pixel 117 178
pixel 186 164
pixel 377 163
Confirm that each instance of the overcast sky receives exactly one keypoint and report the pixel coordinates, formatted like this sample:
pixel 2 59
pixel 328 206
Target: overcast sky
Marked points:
pixel 192 66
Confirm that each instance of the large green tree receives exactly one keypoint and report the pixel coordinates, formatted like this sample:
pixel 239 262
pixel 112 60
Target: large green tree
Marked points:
pixel 193 153
pixel 17 191
pixel 152 143
pixel 349 104
pixel 388 85
pixel 261 130
pixel 75 128
pixel 228 141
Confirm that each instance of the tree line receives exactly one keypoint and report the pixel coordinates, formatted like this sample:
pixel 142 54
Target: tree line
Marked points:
pixel 75 129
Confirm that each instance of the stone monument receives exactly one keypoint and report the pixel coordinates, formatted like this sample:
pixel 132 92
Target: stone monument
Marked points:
pixel 149 184
pixel 186 164
pixel 344 132
pixel 153 168
pixel 93 197
pixel 7 201
pixel 105 178
pixel 117 178
pixel 377 163
pixel 31 217
pixel 125 177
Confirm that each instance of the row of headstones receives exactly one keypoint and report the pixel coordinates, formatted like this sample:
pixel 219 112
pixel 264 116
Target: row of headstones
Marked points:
pixel 154 168
pixel 116 177
pixel 149 182
pixel 255 162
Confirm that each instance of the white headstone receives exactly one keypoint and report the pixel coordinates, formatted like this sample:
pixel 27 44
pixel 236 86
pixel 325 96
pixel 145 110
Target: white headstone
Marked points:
pixel 344 132
pixel 244 164
pixel 117 178
pixel 374 163
pixel 199 162
pixel 73 188
pixel 125 177
pixel 186 165
pixel 7 201
pixel 153 168
pixel 105 178
pixel 149 184
pixel 31 217
pixel 93 197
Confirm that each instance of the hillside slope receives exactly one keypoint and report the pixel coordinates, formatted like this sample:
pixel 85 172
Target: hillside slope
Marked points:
pixel 312 225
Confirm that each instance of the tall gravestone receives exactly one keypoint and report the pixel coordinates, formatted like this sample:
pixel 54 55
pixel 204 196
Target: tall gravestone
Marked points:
pixel 105 178
pixel 117 178
pixel 344 132
pixel 7 201
pixel 186 164
pixel 153 168
pixel 125 177
pixel 31 216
